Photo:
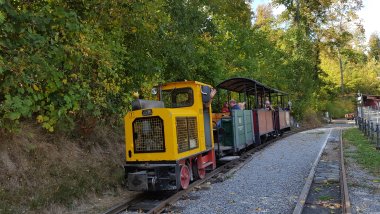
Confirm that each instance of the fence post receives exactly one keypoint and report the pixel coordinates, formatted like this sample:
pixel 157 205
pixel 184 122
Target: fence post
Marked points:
pixel 377 136
pixel 361 124
pixel 369 128
pixel 366 127
pixel 372 132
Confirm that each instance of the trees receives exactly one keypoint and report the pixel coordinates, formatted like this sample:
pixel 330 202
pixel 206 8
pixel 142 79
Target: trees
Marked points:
pixel 62 63
pixel 65 63
pixel 374 47
pixel 337 35
pixel 336 39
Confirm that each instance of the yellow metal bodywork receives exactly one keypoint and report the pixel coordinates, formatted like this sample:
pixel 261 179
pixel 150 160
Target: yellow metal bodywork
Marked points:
pixel 168 115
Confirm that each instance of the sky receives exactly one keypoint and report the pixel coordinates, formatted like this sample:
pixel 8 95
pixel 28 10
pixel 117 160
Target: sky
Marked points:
pixel 369 14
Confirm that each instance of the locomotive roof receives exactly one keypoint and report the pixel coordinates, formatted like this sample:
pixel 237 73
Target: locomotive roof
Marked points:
pixel 184 82
pixel 245 85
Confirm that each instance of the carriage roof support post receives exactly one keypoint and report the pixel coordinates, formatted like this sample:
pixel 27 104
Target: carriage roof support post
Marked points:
pixel 248 104
pixel 282 101
pixel 218 100
pixel 278 102
pixel 256 98
pixel 228 98
pixel 245 93
pixel 263 98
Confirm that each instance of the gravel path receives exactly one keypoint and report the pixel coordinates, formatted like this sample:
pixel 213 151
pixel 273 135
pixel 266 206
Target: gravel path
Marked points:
pixel 270 183
pixel 364 188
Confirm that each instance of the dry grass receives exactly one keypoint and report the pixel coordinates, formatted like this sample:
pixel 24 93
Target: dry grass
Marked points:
pixel 41 172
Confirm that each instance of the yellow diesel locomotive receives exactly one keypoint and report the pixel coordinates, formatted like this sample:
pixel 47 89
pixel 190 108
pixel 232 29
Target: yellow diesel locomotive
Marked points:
pixel 169 142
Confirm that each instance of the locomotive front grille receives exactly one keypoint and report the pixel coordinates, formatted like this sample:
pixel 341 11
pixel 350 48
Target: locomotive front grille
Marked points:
pixel 187 134
pixel 148 135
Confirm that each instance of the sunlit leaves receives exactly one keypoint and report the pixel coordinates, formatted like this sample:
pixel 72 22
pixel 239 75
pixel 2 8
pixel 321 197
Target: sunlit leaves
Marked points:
pixel 374 47
pixel 64 61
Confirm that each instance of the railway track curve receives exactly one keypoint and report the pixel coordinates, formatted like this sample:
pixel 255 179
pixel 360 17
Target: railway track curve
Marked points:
pixel 153 203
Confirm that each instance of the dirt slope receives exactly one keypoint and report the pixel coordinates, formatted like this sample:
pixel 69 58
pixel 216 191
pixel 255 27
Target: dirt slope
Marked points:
pixel 42 172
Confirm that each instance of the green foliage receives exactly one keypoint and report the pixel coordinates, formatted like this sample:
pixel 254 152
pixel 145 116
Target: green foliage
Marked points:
pixel 66 66
pixel 57 67
pixel 340 106
pixel 374 47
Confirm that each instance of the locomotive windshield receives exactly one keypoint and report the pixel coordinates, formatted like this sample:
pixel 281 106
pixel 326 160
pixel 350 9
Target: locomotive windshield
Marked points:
pixel 178 97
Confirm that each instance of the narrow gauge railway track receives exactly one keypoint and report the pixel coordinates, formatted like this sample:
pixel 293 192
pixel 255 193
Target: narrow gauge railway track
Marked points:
pixel 153 203
pixel 342 198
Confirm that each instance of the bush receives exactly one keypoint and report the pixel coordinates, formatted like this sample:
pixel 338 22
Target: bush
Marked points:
pixel 339 107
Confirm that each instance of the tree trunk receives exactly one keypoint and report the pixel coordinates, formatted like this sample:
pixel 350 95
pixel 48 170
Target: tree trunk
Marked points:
pixel 341 71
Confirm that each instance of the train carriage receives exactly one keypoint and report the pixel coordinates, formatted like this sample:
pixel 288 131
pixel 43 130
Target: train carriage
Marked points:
pixel 262 122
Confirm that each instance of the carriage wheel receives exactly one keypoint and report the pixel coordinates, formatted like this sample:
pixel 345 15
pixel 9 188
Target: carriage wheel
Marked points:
pixel 185 177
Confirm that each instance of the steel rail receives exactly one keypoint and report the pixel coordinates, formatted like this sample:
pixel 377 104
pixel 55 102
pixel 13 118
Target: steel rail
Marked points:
pixel 345 202
pixel 309 180
pixel 346 205
pixel 120 207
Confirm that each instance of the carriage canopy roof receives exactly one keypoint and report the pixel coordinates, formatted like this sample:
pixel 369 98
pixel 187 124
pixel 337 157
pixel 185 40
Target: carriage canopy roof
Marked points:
pixel 248 86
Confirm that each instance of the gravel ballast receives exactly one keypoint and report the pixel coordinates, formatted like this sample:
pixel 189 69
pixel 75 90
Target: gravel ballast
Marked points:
pixel 364 189
pixel 270 183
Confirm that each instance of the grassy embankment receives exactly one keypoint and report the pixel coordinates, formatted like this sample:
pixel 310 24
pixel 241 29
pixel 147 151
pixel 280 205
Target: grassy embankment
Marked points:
pixel 42 172
pixel 365 153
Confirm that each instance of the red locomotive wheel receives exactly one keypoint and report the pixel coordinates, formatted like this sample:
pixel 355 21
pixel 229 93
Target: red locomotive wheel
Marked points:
pixel 185 177
pixel 202 173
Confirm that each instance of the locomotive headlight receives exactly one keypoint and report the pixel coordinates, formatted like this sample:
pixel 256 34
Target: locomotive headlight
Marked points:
pixel 154 91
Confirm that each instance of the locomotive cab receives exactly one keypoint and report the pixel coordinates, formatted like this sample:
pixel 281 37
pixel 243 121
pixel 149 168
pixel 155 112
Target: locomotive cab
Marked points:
pixel 169 142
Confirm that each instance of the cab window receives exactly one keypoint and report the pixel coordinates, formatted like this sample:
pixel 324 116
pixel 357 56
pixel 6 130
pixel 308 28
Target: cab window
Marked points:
pixel 178 97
